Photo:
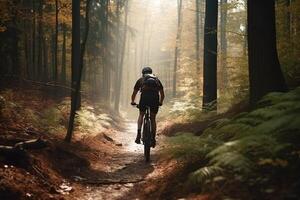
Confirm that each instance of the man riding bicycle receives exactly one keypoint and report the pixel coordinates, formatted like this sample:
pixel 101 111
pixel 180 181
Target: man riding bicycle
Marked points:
pixel 152 95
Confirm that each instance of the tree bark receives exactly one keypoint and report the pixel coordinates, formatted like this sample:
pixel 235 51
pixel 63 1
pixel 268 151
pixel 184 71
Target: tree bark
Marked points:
pixel 177 47
pixel 82 49
pixel 197 44
pixel 223 43
pixel 26 52
pixel 15 50
pixel 56 41
pixel 45 51
pixel 117 56
pixel 75 65
pixel 265 74
pixel 77 60
pixel 210 55
pixel 63 60
pixel 29 144
pixel 120 67
pixel 33 72
pixel 40 42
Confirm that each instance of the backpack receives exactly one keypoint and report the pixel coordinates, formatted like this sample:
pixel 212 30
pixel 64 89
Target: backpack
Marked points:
pixel 150 82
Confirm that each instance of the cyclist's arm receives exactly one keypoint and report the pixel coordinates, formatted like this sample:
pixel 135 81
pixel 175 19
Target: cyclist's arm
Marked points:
pixel 133 95
pixel 162 96
pixel 136 88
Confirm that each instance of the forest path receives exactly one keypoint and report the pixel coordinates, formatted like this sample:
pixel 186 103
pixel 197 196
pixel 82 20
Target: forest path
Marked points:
pixel 127 169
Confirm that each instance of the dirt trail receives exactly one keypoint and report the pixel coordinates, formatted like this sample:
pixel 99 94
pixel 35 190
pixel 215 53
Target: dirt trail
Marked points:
pixel 127 169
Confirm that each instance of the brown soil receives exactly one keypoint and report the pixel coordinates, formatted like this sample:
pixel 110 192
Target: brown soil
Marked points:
pixel 104 164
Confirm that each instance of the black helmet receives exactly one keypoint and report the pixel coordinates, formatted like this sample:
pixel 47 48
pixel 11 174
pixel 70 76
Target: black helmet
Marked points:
pixel 147 70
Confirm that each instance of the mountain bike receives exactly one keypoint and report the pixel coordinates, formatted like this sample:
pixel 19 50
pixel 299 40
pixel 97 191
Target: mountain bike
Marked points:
pixel 147 133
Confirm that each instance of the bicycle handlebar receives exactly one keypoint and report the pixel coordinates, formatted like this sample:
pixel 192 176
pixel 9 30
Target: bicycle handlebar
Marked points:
pixel 135 104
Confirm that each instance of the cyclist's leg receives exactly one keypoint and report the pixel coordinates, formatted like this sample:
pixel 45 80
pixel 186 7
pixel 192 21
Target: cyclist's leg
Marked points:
pixel 140 120
pixel 153 123
pixel 140 123
pixel 154 111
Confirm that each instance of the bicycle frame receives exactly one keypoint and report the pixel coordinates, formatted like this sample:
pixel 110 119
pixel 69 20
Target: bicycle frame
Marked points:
pixel 147 133
pixel 147 119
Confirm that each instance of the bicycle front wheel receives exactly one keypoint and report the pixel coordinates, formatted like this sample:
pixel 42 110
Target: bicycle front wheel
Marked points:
pixel 147 140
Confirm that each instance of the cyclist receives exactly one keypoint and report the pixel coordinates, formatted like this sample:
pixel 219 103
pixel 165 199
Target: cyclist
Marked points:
pixel 152 95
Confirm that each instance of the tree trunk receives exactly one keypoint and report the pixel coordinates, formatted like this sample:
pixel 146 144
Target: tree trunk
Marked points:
pixel 117 55
pixel 75 65
pixel 26 52
pixel 52 56
pixel 289 46
pixel 265 74
pixel 45 51
pixel 142 60
pixel 223 44
pixel 77 60
pixel 106 64
pixel 197 44
pixel 82 48
pixel 120 66
pixel 288 19
pixel 15 50
pixel 33 72
pixel 40 30
pixel 177 46
pixel 56 41
pixel 63 58
pixel 210 55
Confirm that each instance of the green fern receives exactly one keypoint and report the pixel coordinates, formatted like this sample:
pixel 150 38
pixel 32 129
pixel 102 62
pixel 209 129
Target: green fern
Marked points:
pixel 273 126
pixel 264 113
pixel 247 145
pixel 270 99
pixel 226 132
pixel 219 123
pixel 189 146
pixel 203 174
pixel 277 97
pixel 233 161
pixel 251 121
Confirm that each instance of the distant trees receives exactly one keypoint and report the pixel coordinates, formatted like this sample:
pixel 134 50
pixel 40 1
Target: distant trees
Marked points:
pixel 120 54
pixel 35 44
pixel 265 74
pixel 210 55
pixel 177 45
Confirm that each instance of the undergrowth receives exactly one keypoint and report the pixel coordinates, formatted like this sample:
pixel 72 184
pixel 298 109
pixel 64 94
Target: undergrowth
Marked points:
pixel 49 116
pixel 256 152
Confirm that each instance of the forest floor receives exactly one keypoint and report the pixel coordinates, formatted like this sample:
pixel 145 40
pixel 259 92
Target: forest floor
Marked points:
pixel 102 162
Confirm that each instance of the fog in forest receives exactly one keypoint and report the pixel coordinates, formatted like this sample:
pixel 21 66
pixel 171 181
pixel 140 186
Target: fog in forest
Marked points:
pixel 225 125
pixel 150 42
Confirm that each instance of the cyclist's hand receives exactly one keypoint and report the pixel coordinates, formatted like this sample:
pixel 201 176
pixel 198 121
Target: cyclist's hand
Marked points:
pixel 133 103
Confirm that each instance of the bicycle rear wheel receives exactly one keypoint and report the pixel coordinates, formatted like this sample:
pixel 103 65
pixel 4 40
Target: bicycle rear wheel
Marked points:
pixel 147 140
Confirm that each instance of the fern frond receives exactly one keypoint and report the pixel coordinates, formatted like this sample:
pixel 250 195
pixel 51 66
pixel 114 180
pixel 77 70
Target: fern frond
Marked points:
pixel 189 146
pixel 203 174
pixel 233 161
pixel 226 132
